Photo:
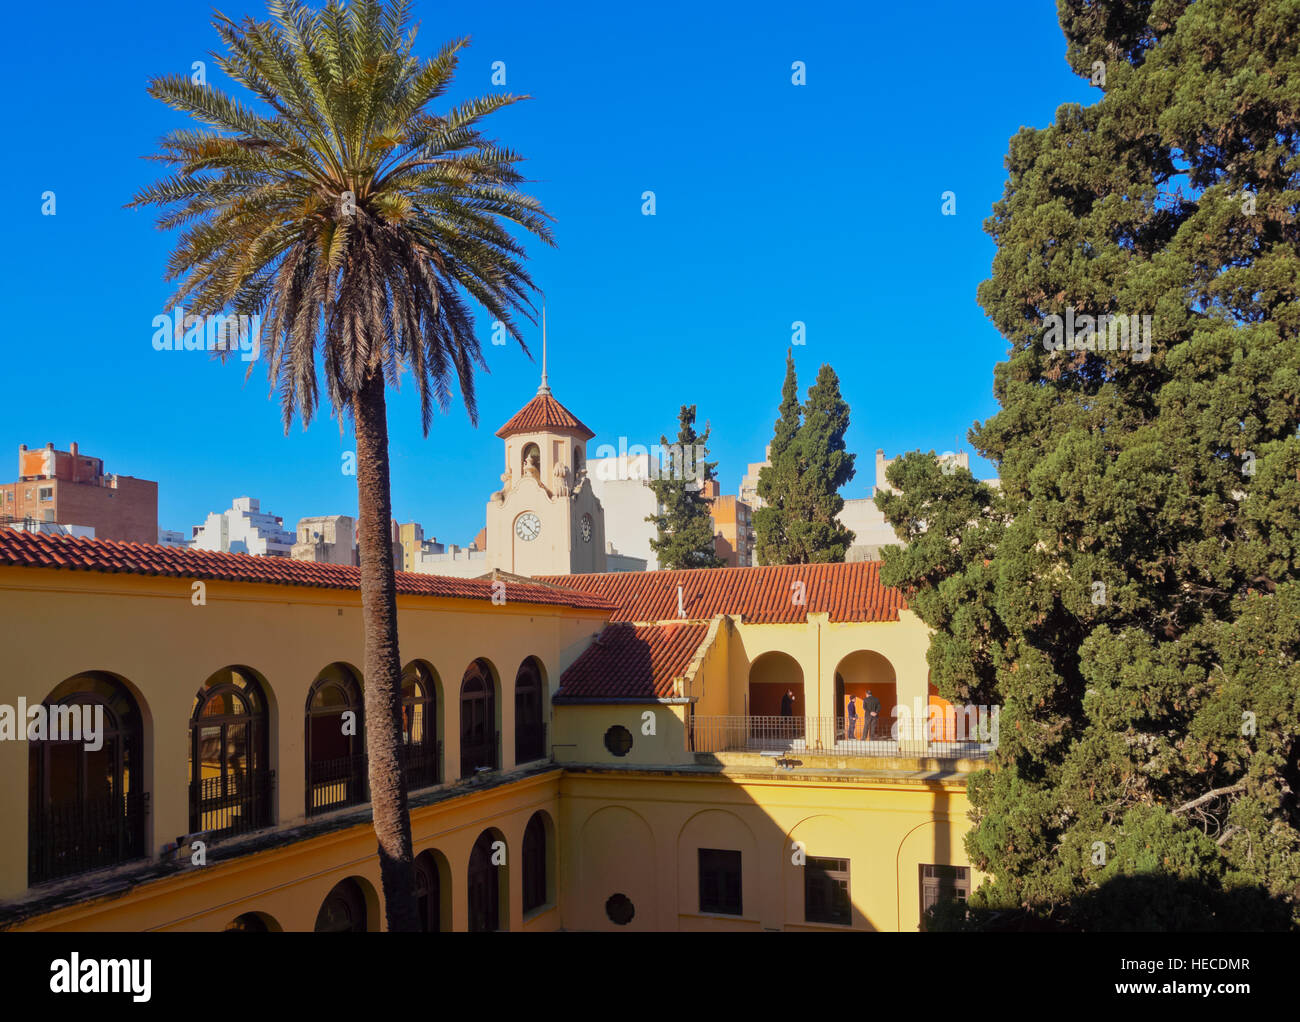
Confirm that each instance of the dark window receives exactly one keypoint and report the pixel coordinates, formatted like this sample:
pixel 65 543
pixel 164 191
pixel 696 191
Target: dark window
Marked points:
pixel 620 909
pixel 943 883
pixel 535 863
pixel 530 724
pixel 428 893
pixel 618 740
pixel 344 909
pixel 420 753
pixel 826 892
pixel 478 734
pixel 336 756
pixel 230 782
pixel 85 807
pixel 484 887
pixel 720 881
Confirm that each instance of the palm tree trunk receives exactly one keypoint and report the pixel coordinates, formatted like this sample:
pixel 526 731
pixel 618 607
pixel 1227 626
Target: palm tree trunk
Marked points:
pixel 383 667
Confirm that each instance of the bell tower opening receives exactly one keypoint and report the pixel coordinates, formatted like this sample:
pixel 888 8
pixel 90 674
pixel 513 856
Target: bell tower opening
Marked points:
pixel 531 461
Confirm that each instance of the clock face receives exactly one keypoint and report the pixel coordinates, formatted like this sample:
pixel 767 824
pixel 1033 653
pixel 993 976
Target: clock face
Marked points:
pixel 586 528
pixel 528 527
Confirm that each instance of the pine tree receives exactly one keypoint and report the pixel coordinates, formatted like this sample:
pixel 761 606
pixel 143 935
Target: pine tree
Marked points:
pixel 778 481
pixel 825 466
pixel 685 524
pixel 1131 597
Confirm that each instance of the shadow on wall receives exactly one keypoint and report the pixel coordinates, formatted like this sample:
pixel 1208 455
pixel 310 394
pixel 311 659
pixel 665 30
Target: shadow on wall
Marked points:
pixel 1144 903
pixel 729 860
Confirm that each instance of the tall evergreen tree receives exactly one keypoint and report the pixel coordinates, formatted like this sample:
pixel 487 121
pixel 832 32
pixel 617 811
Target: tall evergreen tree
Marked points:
pixel 685 523
pixel 808 463
pixel 778 481
pixel 825 466
pixel 1131 597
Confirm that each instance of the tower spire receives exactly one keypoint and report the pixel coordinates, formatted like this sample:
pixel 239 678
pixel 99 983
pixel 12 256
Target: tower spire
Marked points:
pixel 544 388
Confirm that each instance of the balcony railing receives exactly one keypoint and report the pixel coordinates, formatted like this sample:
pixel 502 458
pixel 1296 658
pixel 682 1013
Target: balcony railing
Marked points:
pixel 482 753
pixel 336 783
pixel 530 742
pixel 234 804
pixel 76 837
pixel 422 764
pixel 821 736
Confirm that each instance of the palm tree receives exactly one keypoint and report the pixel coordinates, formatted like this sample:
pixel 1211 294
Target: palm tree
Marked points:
pixel 353 221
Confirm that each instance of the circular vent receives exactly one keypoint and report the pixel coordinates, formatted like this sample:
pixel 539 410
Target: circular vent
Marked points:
pixel 618 740
pixel 620 909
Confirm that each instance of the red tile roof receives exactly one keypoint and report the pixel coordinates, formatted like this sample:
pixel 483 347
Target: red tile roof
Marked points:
pixel 848 592
pixel 36 550
pixel 632 661
pixel 541 413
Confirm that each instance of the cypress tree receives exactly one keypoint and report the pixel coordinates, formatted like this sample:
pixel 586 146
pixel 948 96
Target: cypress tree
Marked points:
pixel 778 481
pixel 825 466
pixel 808 465
pixel 1131 597
pixel 685 524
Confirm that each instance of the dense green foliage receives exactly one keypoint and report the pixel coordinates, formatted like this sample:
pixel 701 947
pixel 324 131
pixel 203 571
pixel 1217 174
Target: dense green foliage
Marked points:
pixel 808 464
pixel 685 521
pixel 1131 597
pixel 778 480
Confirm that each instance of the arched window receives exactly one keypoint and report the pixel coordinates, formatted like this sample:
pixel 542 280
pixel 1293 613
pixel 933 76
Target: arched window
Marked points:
pixel 530 461
pixel 86 803
pixel 249 922
pixel 478 730
pixel 336 758
pixel 535 887
pixel 484 886
pixel 343 910
pixel 230 778
pixel 428 892
pixel 530 718
pixel 420 752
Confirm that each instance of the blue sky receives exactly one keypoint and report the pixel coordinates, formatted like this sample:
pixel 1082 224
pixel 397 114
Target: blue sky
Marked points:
pixel 774 203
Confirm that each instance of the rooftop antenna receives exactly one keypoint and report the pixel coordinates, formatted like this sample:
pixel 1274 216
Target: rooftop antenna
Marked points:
pixel 544 388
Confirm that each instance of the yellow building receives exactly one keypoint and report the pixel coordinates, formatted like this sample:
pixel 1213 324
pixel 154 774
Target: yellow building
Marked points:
pixel 184 735
pixel 596 754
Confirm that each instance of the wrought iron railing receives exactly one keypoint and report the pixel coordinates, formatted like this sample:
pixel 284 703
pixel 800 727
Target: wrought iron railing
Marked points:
pixel 76 837
pixel 482 753
pixel 422 764
pixel 234 804
pixel 336 783
pixel 830 736
pixel 530 742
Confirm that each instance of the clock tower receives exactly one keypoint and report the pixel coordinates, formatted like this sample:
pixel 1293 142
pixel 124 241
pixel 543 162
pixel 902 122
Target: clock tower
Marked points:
pixel 545 520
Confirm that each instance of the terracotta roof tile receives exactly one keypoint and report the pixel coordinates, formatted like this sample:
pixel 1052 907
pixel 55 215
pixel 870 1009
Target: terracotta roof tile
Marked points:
pixel 847 592
pixel 632 661
pixel 24 549
pixel 541 413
